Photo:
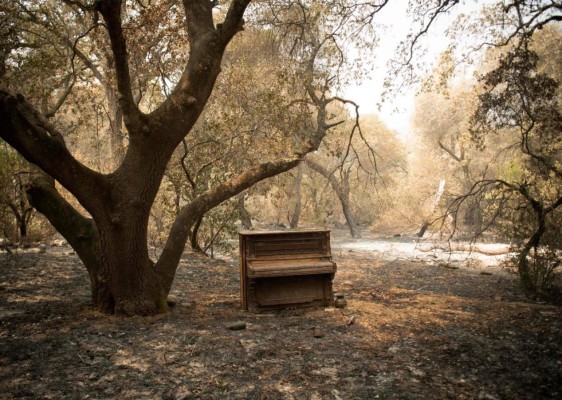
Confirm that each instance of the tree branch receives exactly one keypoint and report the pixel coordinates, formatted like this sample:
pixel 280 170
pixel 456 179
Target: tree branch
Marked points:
pixel 111 12
pixel 206 47
pixel 342 191
pixel 33 136
pixel 169 260
pixel 233 22
pixel 199 19
pixel 80 232
pixel 449 151
pixel 62 98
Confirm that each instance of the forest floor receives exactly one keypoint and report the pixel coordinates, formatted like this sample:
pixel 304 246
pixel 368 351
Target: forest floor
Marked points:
pixel 414 328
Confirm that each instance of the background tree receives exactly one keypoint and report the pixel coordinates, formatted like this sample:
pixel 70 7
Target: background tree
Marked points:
pixel 441 123
pixel 15 211
pixel 522 104
pixel 517 115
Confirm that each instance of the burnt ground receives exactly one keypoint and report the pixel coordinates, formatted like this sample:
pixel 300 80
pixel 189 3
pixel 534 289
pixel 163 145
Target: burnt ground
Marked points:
pixel 420 331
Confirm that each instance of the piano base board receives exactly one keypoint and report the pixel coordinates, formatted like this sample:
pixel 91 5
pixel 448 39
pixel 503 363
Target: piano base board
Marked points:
pixel 294 291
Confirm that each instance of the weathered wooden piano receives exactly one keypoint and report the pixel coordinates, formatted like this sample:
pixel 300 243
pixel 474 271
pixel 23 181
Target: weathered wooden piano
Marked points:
pixel 279 269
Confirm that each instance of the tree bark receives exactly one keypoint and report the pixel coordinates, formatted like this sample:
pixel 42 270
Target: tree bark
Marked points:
pixel 127 281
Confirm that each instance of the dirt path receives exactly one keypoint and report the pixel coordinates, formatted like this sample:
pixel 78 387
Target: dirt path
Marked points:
pixel 420 331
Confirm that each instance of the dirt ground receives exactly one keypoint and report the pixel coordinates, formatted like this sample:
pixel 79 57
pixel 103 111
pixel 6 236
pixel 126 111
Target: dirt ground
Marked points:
pixel 419 331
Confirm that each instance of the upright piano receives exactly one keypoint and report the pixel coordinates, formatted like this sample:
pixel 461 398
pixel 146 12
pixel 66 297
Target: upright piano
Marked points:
pixel 280 269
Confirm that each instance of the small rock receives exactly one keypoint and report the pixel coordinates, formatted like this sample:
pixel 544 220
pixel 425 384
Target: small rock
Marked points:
pixel 486 396
pixel 6 313
pixel 317 333
pixel 416 372
pixel 172 300
pixel 34 250
pixel 340 301
pixel 237 326
pixel 448 266
pixel 351 320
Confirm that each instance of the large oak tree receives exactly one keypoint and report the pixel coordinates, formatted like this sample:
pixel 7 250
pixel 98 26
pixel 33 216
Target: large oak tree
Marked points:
pixel 113 242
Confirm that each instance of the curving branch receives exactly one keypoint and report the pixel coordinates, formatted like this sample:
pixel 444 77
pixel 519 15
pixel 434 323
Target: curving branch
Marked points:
pixel 206 48
pixel 169 260
pixel 79 231
pixel 35 138
pixel 111 12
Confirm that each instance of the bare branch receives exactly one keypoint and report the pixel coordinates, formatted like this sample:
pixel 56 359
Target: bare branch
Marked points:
pixel 449 151
pixel 184 166
pixel 62 98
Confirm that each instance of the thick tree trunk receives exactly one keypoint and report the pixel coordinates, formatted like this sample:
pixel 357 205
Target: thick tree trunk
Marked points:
pixel 116 146
pixel 127 281
pixel 122 277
